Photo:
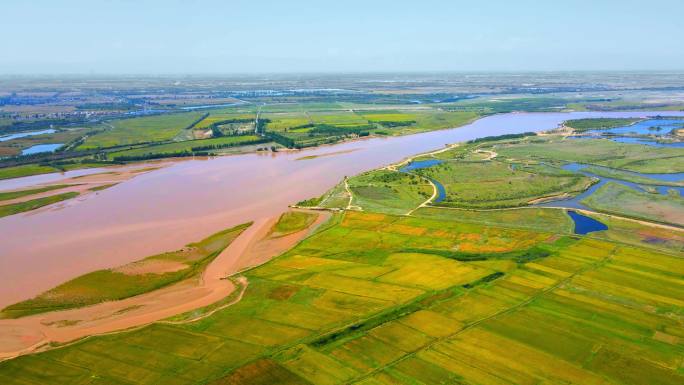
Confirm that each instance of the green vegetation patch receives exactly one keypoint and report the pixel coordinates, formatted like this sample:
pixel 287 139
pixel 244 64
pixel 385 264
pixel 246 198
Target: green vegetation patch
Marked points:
pixel 581 125
pixel 146 129
pixel 602 152
pixel 16 208
pixel 539 219
pixel 619 199
pixel 630 177
pixel 388 191
pixel 25 170
pixel 496 184
pixel 180 148
pixel 292 222
pixel 4 196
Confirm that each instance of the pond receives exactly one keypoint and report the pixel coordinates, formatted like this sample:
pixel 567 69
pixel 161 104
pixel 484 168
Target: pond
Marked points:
pixel 655 126
pixel 41 148
pixel 575 202
pixel 648 142
pixel 642 132
pixel 24 134
pixel 585 224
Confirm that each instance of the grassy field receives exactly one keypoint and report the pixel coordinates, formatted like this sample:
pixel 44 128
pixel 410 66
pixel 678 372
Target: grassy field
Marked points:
pixel 388 191
pixel 629 177
pixel 186 146
pixel 602 152
pixel 141 130
pixel 306 125
pixel 538 219
pixel 292 222
pixel 622 200
pixel 379 299
pixel 25 170
pixel 580 125
pixel 129 280
pixel 495 184
pixel 21 207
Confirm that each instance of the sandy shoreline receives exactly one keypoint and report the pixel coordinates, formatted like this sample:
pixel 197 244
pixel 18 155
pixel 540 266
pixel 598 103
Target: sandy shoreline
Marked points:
pixel 253 247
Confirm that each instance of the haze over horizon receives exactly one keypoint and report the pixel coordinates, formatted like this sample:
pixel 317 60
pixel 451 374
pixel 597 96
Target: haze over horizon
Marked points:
pixel 213 37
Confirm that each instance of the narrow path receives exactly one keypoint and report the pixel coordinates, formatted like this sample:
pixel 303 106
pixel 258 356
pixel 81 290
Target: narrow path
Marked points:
pixel 492 154
pixel 435 192
pixel 351 197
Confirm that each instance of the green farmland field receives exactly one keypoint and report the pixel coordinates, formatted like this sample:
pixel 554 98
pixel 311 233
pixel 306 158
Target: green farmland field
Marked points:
pixel 379 299
pixel 141 130
pixel 580 125
pixel 186 146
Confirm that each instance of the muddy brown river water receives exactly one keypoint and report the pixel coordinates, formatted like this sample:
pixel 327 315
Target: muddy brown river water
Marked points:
pixel 165 209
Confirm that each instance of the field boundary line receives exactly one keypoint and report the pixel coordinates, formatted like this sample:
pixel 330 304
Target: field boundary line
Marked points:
pixel 589 267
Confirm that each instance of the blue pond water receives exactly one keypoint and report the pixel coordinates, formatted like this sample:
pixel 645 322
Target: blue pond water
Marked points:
pixel 650 127
pixel 648 142
pixel 574 203
pixel 656 126
pixel 585 224
pixel 41 148
pixel 416 165
pixel 24 134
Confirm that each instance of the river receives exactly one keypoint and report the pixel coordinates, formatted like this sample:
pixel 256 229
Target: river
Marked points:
pixel 165 209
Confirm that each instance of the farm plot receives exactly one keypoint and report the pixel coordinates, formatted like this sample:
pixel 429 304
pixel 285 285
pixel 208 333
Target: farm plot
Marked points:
pixel 141 130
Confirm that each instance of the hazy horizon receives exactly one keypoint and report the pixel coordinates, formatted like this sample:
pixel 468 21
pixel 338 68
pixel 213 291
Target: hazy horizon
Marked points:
pixel 305 37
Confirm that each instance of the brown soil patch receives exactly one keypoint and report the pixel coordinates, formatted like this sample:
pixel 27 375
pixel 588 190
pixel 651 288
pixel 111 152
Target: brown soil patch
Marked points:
pixel 469 237
pixel 667 338
pixel 474 248
pixel 264 371
pixel 406 230
pixel 284 292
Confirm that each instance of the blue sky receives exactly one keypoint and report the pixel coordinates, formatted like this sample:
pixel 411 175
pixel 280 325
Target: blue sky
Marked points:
pixel 236 36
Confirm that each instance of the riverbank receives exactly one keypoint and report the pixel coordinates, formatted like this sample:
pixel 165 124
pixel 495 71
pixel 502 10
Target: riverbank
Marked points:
pixel 220 280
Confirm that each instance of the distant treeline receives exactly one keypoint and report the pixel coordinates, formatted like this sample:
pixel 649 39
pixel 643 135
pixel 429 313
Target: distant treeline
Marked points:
pixel 396 123
pixel 326 129
pixel 226 145
pixel 194 123
pixel 327 134
pixel 280 139
pixel 502 137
